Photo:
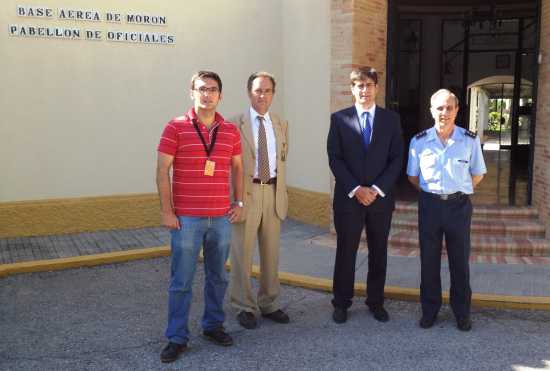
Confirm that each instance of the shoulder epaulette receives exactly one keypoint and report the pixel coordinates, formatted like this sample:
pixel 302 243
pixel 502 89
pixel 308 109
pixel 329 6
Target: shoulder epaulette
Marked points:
pixel 469 133
pixel 421 134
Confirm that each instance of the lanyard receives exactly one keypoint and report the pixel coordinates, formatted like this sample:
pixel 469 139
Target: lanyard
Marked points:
pixel 207 149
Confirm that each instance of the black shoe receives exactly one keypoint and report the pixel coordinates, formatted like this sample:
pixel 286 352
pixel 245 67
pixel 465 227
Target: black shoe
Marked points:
pixel 380 313
pixel 464 323
pixel 340 315
pixel 427 322
pixel 247 320
pixel 171 352
pixel 278 316
pixel 218 336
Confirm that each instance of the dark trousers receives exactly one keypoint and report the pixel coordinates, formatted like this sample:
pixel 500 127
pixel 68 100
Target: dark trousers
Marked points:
pixel 450 219
pixel 349 227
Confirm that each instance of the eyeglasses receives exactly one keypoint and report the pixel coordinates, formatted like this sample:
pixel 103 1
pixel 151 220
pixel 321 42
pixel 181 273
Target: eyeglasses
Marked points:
pixel 368 85
pixel 203 91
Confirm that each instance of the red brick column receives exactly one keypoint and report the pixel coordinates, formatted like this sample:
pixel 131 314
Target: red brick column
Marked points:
pixel 541 173
pixel 341 53
pixel 370 29
pixel 358 38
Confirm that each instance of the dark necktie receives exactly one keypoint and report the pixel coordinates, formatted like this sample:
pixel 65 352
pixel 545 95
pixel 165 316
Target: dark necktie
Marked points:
pixel 365 118
pixel 263 157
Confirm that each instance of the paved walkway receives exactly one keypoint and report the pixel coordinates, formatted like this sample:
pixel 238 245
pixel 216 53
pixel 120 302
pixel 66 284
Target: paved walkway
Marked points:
pixel 305 250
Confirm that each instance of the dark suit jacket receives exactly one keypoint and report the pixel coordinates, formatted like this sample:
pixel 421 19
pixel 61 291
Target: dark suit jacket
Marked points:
pixel 352 165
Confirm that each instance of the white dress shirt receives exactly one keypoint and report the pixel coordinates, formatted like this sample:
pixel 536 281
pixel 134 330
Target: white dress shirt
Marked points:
pixel 371 111
pixel 271 143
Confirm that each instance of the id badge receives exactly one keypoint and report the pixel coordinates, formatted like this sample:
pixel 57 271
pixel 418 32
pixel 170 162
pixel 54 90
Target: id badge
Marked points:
pixel 209 167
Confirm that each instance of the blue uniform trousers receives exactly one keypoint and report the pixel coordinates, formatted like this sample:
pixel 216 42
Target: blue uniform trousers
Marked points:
pixel 451 219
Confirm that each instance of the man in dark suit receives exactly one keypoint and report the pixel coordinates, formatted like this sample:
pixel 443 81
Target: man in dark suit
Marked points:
pixel 365 151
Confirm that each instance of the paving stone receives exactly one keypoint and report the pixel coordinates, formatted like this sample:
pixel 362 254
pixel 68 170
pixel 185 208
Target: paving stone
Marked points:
pixel 92 240
pixel 144 238
pixel 53 247
pixel 88 244
pixel 4 253
pixel 114 242
pixel 126 240
pixel 45 247
pixel 64 248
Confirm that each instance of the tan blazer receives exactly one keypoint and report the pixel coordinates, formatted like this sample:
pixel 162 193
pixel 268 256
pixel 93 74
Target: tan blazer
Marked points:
pixel 280 127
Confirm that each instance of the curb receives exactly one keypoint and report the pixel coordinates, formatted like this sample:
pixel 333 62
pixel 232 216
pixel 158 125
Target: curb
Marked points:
pixel 292 279
pixel 83 261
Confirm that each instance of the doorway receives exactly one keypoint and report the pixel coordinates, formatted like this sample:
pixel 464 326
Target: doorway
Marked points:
pixel 487 55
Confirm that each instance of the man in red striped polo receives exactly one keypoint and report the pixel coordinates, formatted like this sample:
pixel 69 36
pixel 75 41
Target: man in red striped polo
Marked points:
pixel 203 151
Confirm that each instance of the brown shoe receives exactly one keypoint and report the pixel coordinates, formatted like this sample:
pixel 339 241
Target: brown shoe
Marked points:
pixel 218 336
pixel 247 320
pixel 278 316
pixel 171 352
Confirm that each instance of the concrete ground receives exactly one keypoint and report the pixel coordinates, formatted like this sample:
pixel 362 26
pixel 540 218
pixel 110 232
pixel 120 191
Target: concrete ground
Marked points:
pixel 112 317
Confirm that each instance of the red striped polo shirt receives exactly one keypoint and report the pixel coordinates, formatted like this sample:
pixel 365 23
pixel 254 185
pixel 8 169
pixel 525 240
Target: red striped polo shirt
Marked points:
pixel 193 193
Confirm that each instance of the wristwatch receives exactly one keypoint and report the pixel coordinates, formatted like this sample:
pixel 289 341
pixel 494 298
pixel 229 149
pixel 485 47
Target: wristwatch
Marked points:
pixel 239 203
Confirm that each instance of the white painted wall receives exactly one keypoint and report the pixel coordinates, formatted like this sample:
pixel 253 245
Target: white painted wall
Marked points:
pixel 82 118
pixel 306 60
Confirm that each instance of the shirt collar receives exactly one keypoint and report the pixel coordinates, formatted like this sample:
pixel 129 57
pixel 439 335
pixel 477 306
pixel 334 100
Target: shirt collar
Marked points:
pixel 371 111
pixel 254 115
pixel 192 115
pixel 432 134
pixel 455 136
pixel 457 133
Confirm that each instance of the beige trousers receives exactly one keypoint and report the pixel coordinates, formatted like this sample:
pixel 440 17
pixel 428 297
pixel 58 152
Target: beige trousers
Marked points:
pixel 263 225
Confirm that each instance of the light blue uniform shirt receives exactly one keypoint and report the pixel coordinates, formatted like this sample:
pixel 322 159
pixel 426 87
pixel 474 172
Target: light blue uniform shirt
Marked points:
pixel 446 169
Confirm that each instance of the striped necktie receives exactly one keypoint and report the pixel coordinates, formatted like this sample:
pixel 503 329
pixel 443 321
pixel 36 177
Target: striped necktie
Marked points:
pixel 263 157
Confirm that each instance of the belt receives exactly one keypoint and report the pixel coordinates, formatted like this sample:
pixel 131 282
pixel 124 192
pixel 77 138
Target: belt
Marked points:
pixel 270 181
pixel 445 197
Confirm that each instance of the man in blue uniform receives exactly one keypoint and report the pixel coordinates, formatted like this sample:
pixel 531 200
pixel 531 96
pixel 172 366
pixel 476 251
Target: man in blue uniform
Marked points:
pixel 445 164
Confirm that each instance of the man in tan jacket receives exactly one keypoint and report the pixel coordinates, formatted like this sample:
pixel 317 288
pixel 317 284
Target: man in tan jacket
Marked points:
pixel 264 140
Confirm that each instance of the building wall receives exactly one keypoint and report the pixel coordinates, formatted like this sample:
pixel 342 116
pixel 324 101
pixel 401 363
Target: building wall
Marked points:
pixel 83 118
pixel 358 38
pixel 541 173
pixel 306 93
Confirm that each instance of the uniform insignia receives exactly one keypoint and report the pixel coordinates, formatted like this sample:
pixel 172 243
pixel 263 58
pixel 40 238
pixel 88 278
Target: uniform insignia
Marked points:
pixel 469 133
pixel 421 134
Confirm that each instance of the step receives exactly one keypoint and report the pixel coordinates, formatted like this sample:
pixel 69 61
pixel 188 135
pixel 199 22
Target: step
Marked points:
pixel 488 212
pixel 488 245
pixel 482 226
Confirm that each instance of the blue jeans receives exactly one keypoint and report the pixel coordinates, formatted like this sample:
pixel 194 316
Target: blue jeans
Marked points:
pixel 213 234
